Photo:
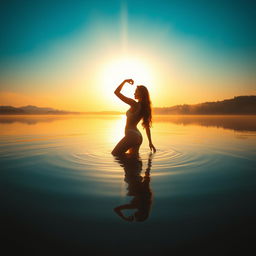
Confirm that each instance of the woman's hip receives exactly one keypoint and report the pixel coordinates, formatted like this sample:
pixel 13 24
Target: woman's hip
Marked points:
pixel 134 135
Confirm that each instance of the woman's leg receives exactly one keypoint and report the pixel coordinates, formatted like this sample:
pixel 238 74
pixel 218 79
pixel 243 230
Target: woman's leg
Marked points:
pixel 134 150
pixel 136 145
pixel 122 146
pixel 131 141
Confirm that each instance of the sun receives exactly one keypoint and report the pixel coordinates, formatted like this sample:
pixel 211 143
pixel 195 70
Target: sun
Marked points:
pixel 116 71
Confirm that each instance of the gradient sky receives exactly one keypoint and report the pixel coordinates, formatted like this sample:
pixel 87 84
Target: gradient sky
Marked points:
pixel 72 54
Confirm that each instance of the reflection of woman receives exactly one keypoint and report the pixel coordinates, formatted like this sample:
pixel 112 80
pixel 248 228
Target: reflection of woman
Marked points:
pixel 138 110
pixel 138 187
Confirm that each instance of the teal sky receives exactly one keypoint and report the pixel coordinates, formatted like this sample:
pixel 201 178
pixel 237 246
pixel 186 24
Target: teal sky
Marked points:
pixel 51 40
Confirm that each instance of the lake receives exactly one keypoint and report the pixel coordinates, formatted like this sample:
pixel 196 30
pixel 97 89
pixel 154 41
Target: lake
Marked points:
pixel 63 193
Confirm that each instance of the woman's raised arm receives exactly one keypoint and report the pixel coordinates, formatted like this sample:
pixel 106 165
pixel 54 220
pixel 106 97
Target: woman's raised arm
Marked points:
pixel 118 93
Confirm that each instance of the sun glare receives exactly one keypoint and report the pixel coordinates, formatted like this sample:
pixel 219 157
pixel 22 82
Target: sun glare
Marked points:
pixel 114 72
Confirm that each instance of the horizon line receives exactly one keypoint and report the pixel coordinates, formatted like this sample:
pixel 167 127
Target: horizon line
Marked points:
pixel 117 112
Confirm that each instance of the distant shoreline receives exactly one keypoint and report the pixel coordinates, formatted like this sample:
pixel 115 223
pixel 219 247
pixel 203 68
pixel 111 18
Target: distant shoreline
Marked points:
pixel 240 105
pixel 60 114
pixel 234 122
pixel 117 114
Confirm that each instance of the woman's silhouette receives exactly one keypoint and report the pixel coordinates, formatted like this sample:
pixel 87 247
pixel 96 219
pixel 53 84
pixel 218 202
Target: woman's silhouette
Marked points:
pixel 140 109
pixel 138 187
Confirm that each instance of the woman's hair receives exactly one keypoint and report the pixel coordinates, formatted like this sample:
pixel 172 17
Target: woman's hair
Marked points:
pixel 146 111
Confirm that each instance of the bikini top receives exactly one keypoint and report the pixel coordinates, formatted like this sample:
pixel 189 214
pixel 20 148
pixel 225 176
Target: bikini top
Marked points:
pixel 133 116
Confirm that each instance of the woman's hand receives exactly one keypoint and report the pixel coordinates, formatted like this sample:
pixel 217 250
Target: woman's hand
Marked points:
pixel 152 147
pixel 130 81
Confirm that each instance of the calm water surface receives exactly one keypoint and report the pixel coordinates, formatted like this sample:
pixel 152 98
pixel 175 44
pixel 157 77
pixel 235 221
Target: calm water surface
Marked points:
pixel 62 192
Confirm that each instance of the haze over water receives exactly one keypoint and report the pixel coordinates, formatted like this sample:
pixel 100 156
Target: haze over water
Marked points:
pixel 60 185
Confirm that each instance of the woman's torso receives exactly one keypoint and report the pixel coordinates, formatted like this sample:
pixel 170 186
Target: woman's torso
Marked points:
pixel 133 117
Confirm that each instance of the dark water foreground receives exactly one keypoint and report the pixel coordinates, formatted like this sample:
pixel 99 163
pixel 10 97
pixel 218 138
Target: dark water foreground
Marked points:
pixel 62 193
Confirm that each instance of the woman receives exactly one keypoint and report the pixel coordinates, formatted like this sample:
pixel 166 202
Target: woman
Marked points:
pixel 140 109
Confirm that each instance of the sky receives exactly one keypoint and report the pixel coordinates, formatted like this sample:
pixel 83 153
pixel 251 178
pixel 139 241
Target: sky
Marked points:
pixel 72 55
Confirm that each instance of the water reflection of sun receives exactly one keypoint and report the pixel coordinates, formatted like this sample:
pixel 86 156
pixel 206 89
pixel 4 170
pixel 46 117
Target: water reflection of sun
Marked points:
pixel 116 130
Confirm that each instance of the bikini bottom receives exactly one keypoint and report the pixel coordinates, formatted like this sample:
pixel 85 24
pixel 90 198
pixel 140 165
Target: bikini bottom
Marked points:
pixel 134 131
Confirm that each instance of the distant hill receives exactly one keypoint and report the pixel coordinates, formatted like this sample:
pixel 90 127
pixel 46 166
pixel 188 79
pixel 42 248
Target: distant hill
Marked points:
pixel 9 110
pixel 33 110
pixel 240 105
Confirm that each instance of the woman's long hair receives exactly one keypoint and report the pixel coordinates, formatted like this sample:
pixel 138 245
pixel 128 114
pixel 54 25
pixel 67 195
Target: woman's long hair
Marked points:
pixel 146 111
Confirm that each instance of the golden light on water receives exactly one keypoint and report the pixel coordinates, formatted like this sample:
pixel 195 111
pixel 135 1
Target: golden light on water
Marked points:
pixel 115 132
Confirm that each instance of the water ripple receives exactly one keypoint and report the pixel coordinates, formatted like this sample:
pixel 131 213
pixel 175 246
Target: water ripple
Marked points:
pixel 100 165
pixel 103 166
